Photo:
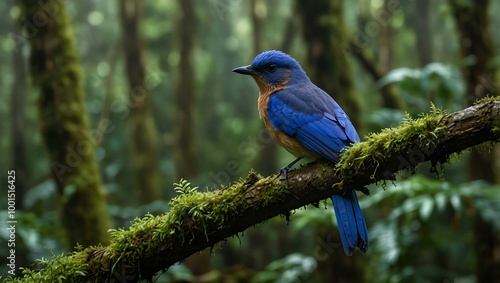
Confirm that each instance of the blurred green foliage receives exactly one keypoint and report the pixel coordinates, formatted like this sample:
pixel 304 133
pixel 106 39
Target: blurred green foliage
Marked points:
pixel 436 83
pixel 293 268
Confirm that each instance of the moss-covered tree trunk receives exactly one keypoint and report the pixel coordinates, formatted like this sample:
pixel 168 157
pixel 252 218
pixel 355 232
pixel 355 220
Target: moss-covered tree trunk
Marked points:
pixel 473 26
pixel 143 131
pixel 186 157
pixel 64 122
pixel 324 34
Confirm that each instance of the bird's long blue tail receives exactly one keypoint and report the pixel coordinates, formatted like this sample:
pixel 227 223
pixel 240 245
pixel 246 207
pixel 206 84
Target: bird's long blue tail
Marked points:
pixel 352 226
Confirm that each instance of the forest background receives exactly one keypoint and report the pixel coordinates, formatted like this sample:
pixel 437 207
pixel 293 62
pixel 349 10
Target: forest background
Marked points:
pixel 142 95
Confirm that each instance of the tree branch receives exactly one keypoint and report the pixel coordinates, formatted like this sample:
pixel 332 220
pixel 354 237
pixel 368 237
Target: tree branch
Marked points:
pixel 200 220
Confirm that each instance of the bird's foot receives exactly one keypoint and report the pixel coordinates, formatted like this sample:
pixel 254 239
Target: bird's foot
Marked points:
pixel 285 169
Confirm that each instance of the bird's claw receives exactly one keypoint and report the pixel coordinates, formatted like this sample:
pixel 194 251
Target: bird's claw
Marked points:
pixel 284 171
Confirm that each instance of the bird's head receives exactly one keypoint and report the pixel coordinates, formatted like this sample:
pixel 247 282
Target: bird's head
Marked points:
pixel 272 69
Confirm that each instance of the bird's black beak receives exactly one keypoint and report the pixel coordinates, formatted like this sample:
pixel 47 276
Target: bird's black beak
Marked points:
pixel 245 70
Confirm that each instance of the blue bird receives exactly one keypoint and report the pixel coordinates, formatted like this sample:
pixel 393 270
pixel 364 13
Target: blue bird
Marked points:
pixel 307 122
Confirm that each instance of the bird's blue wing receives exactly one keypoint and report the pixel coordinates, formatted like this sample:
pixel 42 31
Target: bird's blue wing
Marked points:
pixel 313 118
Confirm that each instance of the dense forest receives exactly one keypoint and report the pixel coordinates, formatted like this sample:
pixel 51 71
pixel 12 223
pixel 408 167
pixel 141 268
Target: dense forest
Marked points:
pixel 120 115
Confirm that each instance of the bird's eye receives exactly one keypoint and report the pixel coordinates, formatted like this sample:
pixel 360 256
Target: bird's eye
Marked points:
pixel 271 67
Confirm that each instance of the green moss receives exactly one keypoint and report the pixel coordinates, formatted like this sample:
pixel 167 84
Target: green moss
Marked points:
pixel 195 210
pixel 496 130
pixel 72 267
pixel 487 99
pixel 390 143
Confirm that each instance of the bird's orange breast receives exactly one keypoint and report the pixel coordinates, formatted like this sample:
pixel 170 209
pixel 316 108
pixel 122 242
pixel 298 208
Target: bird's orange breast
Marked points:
pixel 284 140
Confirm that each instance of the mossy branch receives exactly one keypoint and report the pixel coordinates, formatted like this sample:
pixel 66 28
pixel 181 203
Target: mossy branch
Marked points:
pixel 201 220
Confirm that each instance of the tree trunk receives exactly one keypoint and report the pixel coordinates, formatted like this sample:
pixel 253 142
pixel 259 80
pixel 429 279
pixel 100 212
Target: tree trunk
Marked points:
pixel 186 156
pixel 473 26
pixel 385 42
pixel 64 122
pixel 323 30
pixel 142 125
pixel 324 33
pixel 423 31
